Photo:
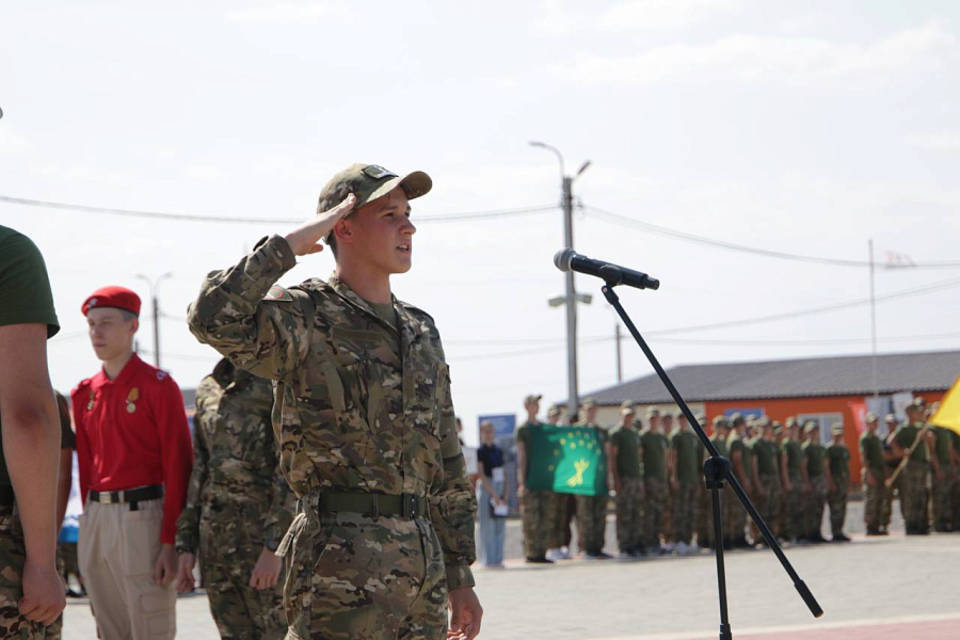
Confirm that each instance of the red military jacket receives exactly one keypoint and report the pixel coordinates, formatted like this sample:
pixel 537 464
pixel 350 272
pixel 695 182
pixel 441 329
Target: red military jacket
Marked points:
pixel 131 432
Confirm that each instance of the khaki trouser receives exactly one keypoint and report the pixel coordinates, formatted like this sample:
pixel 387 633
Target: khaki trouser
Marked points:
pixel 117 550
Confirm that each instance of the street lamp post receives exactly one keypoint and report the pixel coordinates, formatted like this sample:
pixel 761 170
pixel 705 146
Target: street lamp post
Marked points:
pixel 153 284
pixel 566 185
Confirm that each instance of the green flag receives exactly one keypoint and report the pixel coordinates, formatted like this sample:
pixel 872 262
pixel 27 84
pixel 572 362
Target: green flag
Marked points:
pixel 566 460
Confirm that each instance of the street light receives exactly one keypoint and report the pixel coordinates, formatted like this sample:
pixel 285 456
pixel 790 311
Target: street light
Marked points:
pixel 153 284
pixel 570 297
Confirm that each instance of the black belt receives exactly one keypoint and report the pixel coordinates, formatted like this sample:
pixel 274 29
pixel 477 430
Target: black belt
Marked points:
pixel 128 496
pixel 405 505
pixel 6 496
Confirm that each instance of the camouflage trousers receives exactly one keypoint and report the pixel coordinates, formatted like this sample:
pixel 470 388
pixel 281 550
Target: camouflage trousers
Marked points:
pixel 354 577
pixel 872 500
pixel 229 548
pixel 67 561
pixel 538 507
pixel 702 519
pixel 683 508
pixel 942 496
pixel 768 501
pixel 592 522
pixel 815 503
pixel 837 501
pixel 886 503
pixel 630 503
pixel 734 518
pixel 656 494
pixel 564 514
pixel 914 495
pixel 666 520
pixel 12 557
pixel 794 508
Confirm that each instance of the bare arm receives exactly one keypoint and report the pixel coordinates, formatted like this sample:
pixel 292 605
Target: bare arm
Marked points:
pixel 521 468
pixel 614 473
pixel 31 447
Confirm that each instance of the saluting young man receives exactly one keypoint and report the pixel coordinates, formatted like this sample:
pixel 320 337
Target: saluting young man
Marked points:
pixel 134 456
pixel 383 542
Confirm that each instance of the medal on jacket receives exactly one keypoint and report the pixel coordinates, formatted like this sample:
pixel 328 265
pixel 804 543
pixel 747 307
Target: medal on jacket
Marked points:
pixel 93 396
pixel 131 400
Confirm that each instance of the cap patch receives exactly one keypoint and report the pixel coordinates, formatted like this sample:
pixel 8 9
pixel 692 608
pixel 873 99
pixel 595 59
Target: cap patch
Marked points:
pixel 377 172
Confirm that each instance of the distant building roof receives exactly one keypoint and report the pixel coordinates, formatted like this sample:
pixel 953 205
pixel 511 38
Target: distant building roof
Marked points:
pixel 832 376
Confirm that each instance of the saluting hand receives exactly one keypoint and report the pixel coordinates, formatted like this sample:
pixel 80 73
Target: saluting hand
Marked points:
pixel 305 239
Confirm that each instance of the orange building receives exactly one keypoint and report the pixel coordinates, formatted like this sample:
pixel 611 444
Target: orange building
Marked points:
pixel 827 390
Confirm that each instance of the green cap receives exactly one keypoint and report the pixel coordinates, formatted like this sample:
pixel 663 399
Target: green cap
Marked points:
pixel 809 426
pixel 653 411
pixel 533 397
pixel 628 407
pixel 736 419
pixel 870 417
pixel 368 182
pixel 837 428
pixel 720 421
pixel 791 422
pixel 777 427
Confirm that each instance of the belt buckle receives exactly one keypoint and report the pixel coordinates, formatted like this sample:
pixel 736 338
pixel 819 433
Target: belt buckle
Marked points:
pixel 105 497
pixel 410 506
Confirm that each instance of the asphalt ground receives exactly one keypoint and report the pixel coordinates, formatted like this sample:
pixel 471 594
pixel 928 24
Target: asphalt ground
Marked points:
pixel 878 588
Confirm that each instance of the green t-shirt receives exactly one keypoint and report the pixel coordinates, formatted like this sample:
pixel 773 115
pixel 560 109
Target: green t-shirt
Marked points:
pixel 871 451
pixel 654 454
pixel 686 448
pixel 736 443
pixel 765 453
pixel 839 457
pixel 814 454
pixel 25 298
pixel 942 444
pixel 720 443
pixel 627 442
pixel 523 435
pixel 24 285
pixel 905 436
pixel 793 452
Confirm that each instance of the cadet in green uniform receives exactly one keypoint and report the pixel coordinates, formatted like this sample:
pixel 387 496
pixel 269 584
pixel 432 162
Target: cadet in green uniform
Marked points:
pixel 796 485
pixel 768 477
pixel 654 446
pixel 685 480
pixel 703 498
pixel 383 541
pixel 238 506
pixel 535 503
pixel 719 440
pixel 623 466
pixel 838 482
pixel 742 461
pixel 592 510
pixel 912 483
pixel 814 476
pixel 890 463
pixel 667 428
pixel 871 457
pixel 780 501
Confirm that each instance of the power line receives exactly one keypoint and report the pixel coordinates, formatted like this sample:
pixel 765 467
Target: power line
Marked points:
pixel 770 253
pixel 196 217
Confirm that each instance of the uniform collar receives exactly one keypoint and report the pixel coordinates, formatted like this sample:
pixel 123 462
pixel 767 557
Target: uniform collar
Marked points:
pixel 351 296
pixel 128 371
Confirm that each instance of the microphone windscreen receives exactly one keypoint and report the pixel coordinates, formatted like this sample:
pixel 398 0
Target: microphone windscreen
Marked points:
pixel 563 258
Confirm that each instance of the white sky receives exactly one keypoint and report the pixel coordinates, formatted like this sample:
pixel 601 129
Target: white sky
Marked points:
pixel 798 127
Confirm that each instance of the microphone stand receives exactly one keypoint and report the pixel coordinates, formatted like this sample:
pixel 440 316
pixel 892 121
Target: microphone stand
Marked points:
pixel 716 470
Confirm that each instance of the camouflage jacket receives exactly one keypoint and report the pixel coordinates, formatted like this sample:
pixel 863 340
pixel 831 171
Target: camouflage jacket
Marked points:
pixel 235 459
pixel 360 405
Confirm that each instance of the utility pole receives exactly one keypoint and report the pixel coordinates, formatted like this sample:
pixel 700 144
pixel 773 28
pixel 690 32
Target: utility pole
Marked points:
pixel 153 284
pixel 566 185
pixel 873 323
pixel 616 336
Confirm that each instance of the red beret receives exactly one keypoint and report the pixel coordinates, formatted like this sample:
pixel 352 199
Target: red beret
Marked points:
pixel 116 297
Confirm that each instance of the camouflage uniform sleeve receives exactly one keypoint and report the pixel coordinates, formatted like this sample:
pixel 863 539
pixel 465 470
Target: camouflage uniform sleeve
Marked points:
pixel 279 513
pixel 262 336
pixel 454 505
pixel 188 523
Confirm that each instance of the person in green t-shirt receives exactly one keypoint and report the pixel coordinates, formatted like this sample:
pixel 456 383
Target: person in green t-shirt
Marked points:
pixel 838 482
pixel 654 446
pixel 591 511
pixel 767 475
pixel 534 503
pixel 741 459
pixel 623 454
pixel 31 593
pixel 685 479
pixel 873 471
pixel 913 479
pixel 795 486
pixel 815 477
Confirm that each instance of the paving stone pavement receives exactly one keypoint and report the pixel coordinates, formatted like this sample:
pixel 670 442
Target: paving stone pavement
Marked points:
pixel 892 587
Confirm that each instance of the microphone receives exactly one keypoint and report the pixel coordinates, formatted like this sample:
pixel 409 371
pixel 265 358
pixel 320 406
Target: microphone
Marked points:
pixel 570 260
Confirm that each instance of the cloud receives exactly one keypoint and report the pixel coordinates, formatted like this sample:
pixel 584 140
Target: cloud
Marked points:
pixel 935 141
pixel 555 19
pixel 286 12
pixel 791 60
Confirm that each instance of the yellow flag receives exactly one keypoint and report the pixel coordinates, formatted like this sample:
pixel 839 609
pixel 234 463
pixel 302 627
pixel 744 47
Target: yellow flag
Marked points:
pixel 948 415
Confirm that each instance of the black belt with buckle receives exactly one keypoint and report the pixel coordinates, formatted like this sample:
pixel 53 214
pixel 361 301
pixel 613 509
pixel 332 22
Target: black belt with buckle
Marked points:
pixel 128 496
pixel 405 505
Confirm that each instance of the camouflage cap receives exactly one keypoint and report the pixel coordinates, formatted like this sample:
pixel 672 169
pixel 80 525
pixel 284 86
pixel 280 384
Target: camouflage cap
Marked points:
pixel 368 182
pixel 720 421
pixel 777 427
pixel 589 403
pixel 533 397
pixel 792 422
pixel 809 426
pixel 919 401
pixel 870 417
pixel 553 410
pixel 652 412
pixel 627 407
pixel 736 419
pixel 890 418
pixel 837 429
pixel 701 418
